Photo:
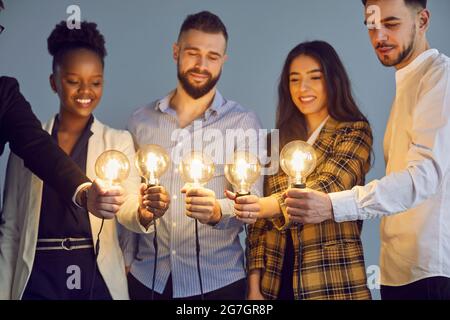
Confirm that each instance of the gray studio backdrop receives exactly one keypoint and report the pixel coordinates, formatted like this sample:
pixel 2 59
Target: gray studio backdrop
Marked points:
pixel 139 67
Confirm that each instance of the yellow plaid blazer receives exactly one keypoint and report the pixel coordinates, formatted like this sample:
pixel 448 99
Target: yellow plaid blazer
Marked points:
pixel 332 261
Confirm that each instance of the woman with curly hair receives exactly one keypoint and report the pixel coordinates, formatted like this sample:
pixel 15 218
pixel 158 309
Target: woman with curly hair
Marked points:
pixel 47 247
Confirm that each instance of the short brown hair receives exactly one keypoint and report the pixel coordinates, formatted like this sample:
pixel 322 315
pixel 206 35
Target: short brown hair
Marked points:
pixel 414 3
pixel 204 21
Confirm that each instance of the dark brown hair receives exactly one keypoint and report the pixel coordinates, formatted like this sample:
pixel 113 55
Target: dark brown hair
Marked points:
pixel 204 21
pixel 341 105
pixel 413 3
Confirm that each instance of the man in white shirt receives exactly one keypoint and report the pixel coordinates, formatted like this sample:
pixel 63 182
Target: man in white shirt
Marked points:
pixel 413 199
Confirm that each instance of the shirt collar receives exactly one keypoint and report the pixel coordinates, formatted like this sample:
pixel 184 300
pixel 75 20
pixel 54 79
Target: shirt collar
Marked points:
pixel 312 139
pixel 401 74
pixel 87 129
pixel 164 104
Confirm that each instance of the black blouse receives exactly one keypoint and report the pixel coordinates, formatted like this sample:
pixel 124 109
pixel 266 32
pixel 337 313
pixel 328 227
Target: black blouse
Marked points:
pixel 59 218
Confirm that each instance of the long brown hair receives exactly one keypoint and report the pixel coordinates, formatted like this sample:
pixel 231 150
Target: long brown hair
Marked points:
pixel 341 105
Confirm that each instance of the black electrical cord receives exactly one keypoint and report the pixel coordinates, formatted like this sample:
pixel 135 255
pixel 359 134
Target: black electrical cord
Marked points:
pixel 299 186
pixel 97 250
pixel 155 246
pixel 197 250
pixel 245 229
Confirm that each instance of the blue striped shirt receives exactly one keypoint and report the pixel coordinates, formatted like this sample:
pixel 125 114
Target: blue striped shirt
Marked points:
pixel 221 253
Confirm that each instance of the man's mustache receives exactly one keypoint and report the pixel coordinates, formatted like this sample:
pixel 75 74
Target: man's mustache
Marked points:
pixel 384 45
pixel 195 70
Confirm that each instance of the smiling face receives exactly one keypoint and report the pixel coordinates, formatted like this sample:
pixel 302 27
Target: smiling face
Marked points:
pixel 396 39
pixel 307 86
pixel 200 57
pixel 78 81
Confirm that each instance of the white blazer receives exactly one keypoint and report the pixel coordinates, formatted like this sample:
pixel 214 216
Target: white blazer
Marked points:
pixel 22 204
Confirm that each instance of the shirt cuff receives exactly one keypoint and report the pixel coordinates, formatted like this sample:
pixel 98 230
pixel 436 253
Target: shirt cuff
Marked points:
pixel 282 222
pixel 151 226
pixel 228 216
pixel 80 187
pixel 344 205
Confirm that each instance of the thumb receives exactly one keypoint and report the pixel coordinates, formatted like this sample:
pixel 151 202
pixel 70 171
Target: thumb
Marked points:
pixel 185 188
pixel 143 188
pixel 98 187
pixel 230 195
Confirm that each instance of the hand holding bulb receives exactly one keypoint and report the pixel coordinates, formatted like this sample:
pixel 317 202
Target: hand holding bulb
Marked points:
pixel 201 204
pixel 105 196
pixel 243 171
pixel 246 208
pixel 153 204
pixel 152 162
pixel 102 202
pixel 303 205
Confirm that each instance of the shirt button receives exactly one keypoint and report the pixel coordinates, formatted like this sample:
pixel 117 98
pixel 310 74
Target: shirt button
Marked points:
pixel 174 252
pixel 174 197
pixel 174 224
pixel 176 170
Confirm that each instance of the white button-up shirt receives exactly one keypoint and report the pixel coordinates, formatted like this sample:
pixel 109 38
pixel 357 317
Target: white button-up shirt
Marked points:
pixel 415 243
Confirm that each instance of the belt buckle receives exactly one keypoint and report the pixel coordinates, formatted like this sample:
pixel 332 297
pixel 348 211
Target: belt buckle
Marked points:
pixel 63 244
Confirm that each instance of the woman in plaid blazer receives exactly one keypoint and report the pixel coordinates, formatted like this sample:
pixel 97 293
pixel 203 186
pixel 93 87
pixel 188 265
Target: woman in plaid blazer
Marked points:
pixel 315 105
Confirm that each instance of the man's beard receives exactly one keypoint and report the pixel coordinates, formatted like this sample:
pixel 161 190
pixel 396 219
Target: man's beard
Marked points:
pixel 403 54
pixel 196 92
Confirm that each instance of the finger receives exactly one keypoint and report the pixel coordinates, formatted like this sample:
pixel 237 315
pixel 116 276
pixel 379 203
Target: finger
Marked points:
pixel 157 197
pixel 200 192
pixel 153 197
pixel 246 215
pixel 185 188
pixel 247 199
pixel 294 212
pixel 143 188
pixel 200 201
pixel 188 213
pixel 106 214
pixel 157 205
pixel 111 208
pixel 119 200
pixel 230 195
pixel 199 209
pixel 297 193
pixel 98 186
pixel 114 191
pixel 296 203
pixel 247 207
pixel 147 214
pixel 246 220
pixel 155 189
pixel 159 213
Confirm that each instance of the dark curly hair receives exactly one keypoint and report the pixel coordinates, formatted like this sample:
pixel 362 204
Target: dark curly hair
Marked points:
pixel 62 40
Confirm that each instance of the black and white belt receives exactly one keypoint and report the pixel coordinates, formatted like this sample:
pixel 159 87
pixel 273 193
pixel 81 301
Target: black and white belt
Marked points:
pixel 67 244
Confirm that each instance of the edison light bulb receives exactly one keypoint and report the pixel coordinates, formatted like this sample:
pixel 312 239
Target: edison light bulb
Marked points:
pixel 298 159
pixel 243 171
pixel 112 166
pixel 196 169
pixel 152 162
